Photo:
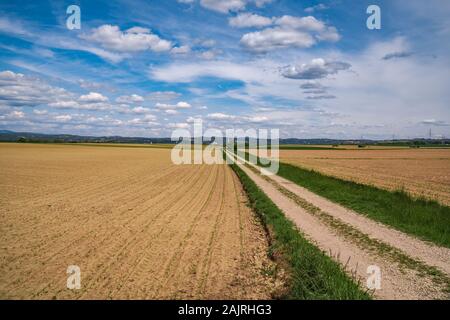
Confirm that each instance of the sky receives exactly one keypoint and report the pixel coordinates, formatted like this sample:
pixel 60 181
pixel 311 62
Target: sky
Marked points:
pixel 312 69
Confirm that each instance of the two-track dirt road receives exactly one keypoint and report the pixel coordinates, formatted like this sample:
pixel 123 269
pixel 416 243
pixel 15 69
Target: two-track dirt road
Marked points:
pixel 407 264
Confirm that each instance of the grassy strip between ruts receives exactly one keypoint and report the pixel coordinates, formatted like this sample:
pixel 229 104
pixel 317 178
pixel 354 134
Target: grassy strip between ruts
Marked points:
pixel 423 218
pixel 313 274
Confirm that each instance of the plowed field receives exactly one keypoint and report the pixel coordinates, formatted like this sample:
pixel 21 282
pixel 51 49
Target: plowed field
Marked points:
pixel 136 225
pixel 421 172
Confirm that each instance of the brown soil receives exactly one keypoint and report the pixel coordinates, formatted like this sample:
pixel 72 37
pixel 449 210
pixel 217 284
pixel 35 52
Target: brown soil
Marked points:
pixel 137 226
pixel 422 172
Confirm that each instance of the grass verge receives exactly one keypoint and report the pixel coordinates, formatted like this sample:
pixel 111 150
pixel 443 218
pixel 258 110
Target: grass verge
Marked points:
pixel 423 218
pixel 313 274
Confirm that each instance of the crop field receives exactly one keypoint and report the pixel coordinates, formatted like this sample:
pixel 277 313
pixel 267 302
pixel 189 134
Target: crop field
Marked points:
pixel 421 172
pixel 136 225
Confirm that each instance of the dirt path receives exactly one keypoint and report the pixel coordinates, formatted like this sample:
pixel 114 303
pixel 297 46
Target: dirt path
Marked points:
pixel 138 227
pixel 399 280
pixel 427 252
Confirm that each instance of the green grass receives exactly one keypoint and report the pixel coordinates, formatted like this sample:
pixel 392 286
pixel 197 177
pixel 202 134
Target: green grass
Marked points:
pixel 426 219
pixel 313 275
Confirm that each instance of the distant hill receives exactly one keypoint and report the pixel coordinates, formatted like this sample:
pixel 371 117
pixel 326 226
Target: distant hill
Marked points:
pixel 11 136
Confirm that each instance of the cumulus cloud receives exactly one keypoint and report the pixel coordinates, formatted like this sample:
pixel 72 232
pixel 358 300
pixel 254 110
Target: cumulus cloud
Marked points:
pixel 141 110
pixel 223 6
pixel 276 38
pixel 134 98
pixel 226 6
pixel 193 119
pixel 13 115
pixel 179 105
pixel 17 90
pixel 180 50
pixel 249 20
pixel 131 40
pixel 147 120
pixel 289 31
pixel 316 69
pixel 93 97
pixel 308 23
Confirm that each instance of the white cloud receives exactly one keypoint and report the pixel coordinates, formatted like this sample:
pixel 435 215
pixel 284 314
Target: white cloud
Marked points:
pixel 93 97
pixel 141 110
pixel 258 119
pixel 193 119
pixel 220 116
pixel 249 20
pixel 317 7
pixel 68 104
pixel 148 119
pixel 13 115
pixel 132 40
pixel 181 50
pixel 18 90
pixel 134 98
pixel 179 105
pixel 276 38
pixel 179 125
pixel 289 31
pixel 209 54
pixel 308 23
pixel 223 6
pixel 183 105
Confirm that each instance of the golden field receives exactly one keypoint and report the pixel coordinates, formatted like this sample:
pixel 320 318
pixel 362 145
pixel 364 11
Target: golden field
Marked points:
pixel 136 225
pixel 421 172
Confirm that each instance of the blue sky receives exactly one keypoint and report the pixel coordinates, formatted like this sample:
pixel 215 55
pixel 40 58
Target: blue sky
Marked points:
pixel 143 68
